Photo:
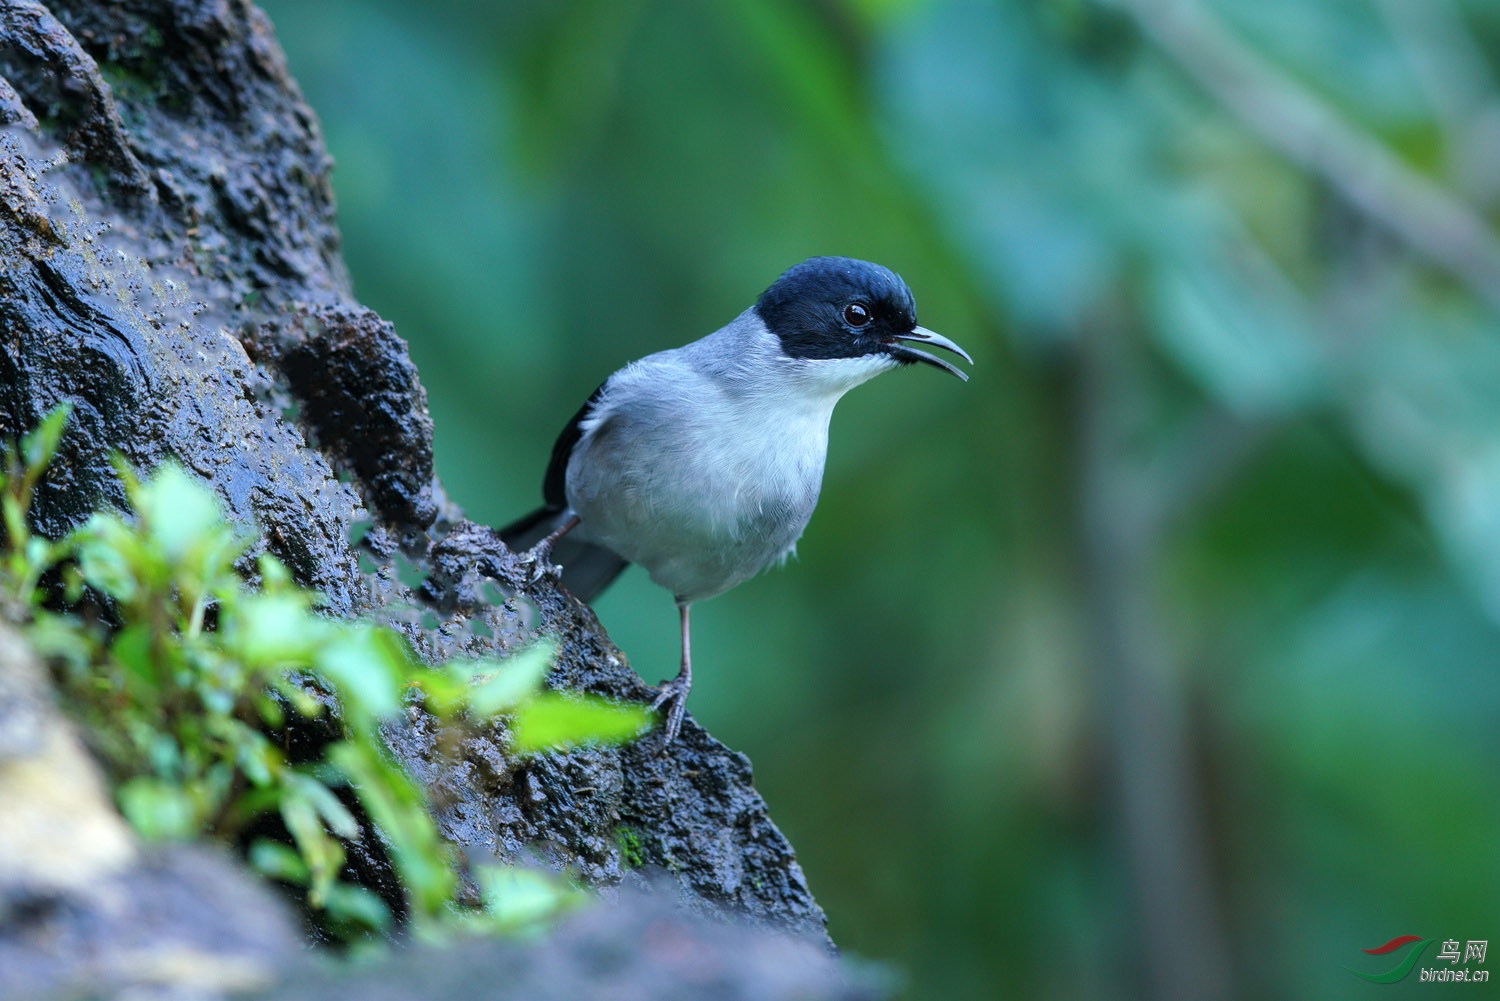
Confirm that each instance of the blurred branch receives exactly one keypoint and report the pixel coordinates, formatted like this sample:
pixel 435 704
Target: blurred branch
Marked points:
pixel 1118 536
pixel 1309 131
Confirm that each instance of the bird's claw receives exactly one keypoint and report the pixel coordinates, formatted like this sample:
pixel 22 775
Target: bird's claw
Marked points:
pixel 667 690
pixel 539 557
pixel 538 563
pixel 674 692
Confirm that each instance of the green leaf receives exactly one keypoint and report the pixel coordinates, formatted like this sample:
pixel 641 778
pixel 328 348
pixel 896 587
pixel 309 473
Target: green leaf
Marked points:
pixel 274 630
pixel 14 517
pixel 39 554
pixel 397 808
pixel 108 554
pixel 38 447
pixel 329 807
pixel 258 758
pixel 180 513
pixel 516 898
pixel 555 719
pixel 443 693
pixel 303 701
pixel 131 649
pixel 270 710
pixel 159 810
pixel 357 905
pixel 63 638
pixel 324 855
pixel 367 667
pixel 164 754
pixel 72 584
pixel 278 861
pixel 274 575
pixel 496 686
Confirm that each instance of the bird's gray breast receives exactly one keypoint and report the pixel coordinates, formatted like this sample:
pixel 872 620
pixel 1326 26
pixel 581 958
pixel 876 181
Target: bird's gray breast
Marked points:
pixel 700 481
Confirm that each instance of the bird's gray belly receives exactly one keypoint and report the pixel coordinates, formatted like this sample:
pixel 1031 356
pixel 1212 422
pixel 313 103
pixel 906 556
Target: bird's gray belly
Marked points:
pixel 691 552
pixel 699 528
pixel 695 563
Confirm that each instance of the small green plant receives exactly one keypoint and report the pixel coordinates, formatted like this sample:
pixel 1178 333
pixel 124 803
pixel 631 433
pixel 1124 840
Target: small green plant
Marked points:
pixel 629 843
pixel 24 557
pixel 184 691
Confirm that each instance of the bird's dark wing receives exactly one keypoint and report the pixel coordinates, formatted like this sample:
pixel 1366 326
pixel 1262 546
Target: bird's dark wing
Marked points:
pixel 588 568
pixel 554 484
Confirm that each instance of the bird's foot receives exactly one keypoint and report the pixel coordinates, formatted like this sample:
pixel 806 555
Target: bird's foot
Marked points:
pixel 538 559
pixel 538 562
pixel 674 695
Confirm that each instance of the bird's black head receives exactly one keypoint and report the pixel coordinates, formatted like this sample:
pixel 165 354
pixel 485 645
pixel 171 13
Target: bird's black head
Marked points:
pixel 838 307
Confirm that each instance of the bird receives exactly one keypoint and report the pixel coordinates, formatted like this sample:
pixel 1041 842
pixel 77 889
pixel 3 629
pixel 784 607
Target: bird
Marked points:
pixel 703 463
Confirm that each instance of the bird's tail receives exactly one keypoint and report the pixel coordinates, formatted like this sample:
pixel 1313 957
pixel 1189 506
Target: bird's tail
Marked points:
pixel 588 568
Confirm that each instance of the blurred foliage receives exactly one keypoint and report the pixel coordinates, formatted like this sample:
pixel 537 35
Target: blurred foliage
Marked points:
pixel 1222 268
pixel 182 679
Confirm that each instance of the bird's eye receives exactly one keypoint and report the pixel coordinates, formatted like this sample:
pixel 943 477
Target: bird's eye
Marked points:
pixel 856 314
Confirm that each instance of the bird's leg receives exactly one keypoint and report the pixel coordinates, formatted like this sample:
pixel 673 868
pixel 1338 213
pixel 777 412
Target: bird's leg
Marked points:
pixel 539 556
pixel 676 690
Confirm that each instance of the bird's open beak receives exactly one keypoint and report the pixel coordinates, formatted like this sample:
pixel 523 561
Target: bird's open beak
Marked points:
pixel 921 335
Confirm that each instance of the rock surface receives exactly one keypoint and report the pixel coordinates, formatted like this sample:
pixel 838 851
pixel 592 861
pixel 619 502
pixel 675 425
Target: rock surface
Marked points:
pixel 636 948
pixel 169 262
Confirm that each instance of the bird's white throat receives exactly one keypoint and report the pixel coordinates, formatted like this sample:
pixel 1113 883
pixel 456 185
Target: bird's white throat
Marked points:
pixel 830 378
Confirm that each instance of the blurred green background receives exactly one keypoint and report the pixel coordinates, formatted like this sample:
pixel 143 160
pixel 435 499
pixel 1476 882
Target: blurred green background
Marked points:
pixel 1163 658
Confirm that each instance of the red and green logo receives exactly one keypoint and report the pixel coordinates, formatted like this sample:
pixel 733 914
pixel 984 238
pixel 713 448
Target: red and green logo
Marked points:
pixel 1401 969
pixel 1474 951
